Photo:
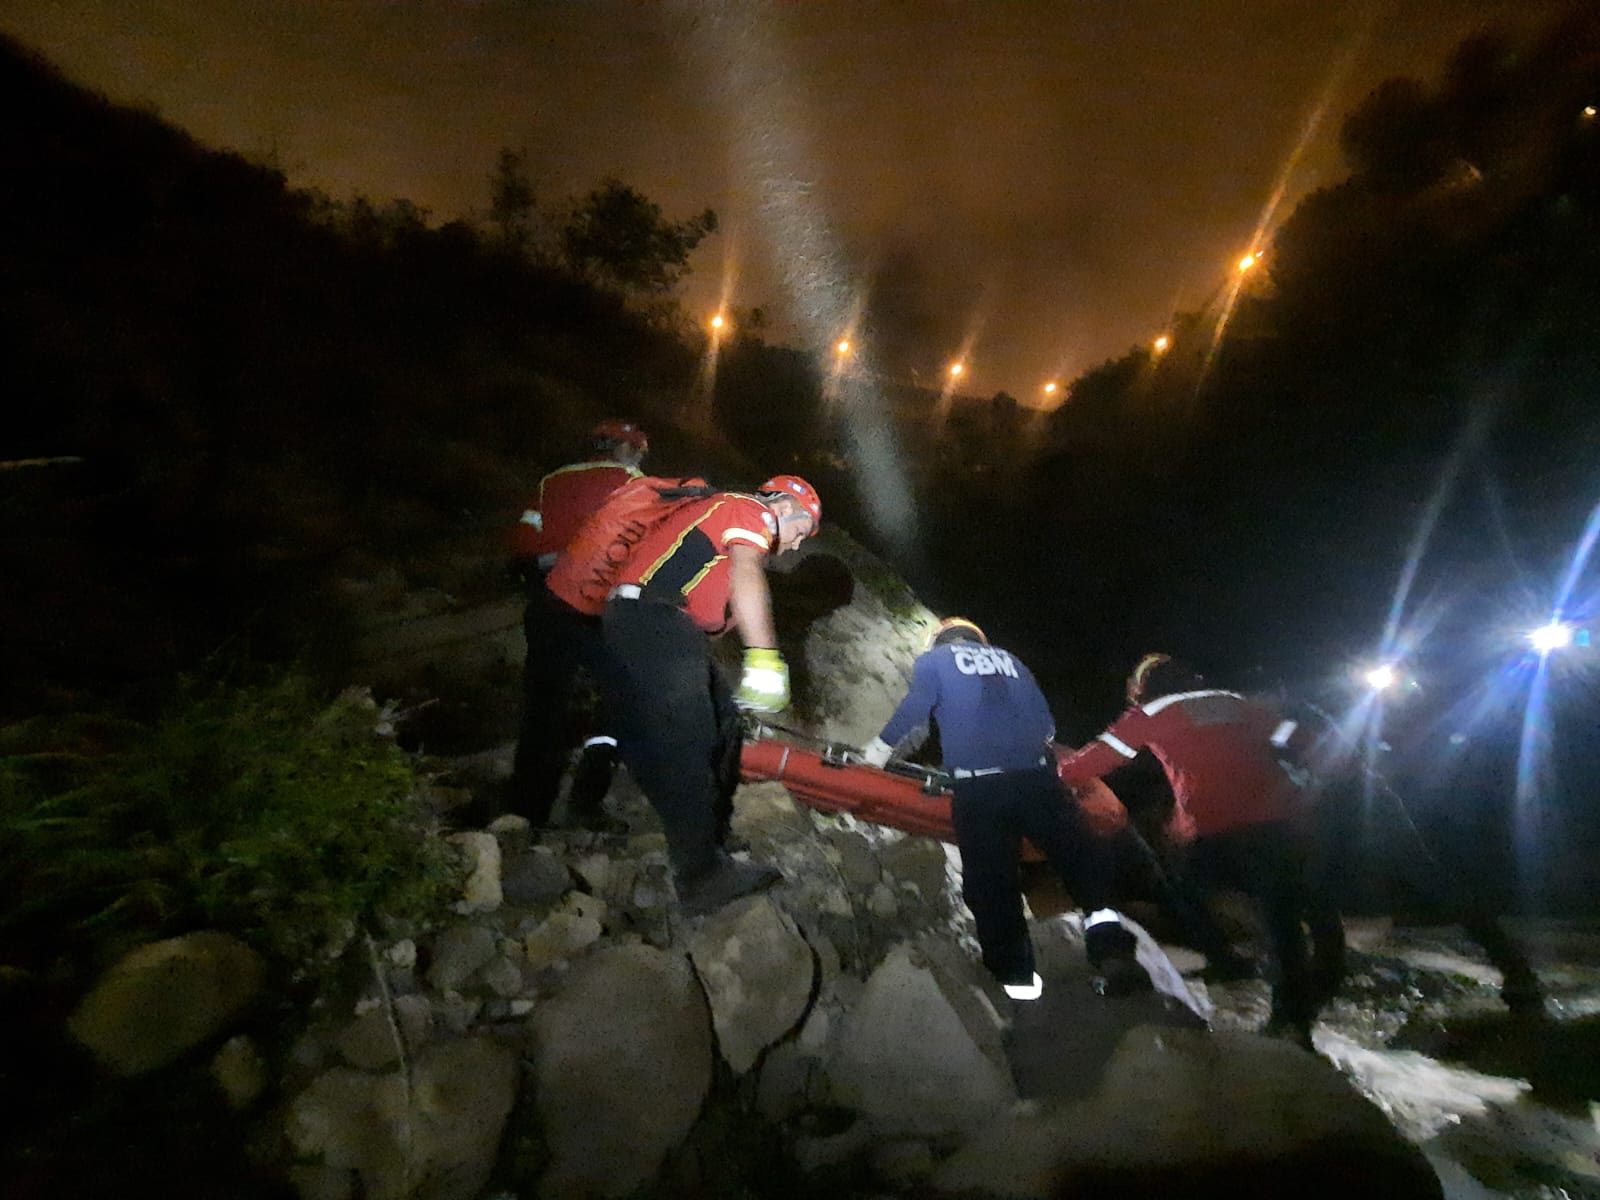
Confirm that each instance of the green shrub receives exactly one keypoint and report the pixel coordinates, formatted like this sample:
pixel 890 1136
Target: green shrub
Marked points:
pixel 269 811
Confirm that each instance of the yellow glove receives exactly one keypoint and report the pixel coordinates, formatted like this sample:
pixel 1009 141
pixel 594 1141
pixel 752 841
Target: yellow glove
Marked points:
pixel 764 686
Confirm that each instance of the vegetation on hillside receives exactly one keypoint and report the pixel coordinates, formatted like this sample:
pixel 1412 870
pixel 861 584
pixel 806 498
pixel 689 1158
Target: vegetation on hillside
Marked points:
pixel 266 810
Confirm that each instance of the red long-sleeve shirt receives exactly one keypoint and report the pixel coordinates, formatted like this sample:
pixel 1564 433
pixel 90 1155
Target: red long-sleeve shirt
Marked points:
pixel 567 496
pixel 1220 752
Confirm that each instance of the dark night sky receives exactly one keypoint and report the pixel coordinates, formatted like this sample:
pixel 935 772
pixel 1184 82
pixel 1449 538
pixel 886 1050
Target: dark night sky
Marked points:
pixel 1043 182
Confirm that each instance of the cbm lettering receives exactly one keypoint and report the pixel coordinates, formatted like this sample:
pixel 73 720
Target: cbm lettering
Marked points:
pixel 984 660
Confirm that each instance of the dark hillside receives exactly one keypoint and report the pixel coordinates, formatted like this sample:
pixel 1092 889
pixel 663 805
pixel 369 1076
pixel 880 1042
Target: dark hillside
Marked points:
pixel 257 382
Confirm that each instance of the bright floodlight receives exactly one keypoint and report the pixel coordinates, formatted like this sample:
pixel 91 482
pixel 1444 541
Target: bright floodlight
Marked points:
pixel 1248 261
pixel 956 368
pixel 844 346
pixel 1555 636
pixel 1381 678
pixel 1162 343
pixel 1588 110
pixel 1050 388
pixel 718 321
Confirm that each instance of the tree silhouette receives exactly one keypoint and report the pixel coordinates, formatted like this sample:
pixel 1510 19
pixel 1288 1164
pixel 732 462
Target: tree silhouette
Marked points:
pixel 1396 140
pixel 511 202
pixel 617 237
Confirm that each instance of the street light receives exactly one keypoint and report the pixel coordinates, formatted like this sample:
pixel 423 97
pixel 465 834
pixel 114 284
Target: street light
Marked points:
pixel 1589 111
pixel 1050 388
pixel 1381 677
pixel 1162 344
pixel 956 369
pixel 843 347
pixel 1557 635
pixel 717 323
pixel 1248 261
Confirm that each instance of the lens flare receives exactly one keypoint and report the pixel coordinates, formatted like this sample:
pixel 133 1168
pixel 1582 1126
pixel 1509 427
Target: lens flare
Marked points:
pixel 1557 635
pixel 747 74
pixel 1382 677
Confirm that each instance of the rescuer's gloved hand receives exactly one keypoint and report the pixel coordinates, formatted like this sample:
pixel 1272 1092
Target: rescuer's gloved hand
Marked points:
pixel 876 752
pixel 764 686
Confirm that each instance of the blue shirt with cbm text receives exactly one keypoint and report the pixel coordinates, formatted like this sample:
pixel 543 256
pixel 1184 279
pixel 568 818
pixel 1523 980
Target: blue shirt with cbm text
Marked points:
pixel 990 711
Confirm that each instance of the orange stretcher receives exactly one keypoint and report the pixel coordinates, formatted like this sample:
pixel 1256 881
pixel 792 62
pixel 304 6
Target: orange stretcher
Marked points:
pixel 903 796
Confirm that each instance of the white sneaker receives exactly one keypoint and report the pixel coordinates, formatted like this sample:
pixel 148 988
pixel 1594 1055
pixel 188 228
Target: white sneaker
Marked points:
pixel 1025 991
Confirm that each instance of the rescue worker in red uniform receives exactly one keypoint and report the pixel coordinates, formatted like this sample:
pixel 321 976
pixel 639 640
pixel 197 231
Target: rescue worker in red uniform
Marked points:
pixel 563 645
pixel 686 582
pixel 994 734
pixel 1237 815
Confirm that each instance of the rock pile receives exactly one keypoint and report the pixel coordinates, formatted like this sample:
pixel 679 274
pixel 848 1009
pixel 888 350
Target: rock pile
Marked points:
pixel 563 1032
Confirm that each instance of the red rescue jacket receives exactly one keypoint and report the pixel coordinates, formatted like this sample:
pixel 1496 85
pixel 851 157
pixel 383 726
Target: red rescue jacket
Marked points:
pixel 565 497
pixel 1220 751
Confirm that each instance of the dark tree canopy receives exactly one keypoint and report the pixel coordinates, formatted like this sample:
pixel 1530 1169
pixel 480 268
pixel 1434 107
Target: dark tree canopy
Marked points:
pixel 620 238
pixel 1396 139
pixel 512 214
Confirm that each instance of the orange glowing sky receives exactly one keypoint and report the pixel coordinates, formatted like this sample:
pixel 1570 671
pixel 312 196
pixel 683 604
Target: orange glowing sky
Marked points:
pixel 1043 180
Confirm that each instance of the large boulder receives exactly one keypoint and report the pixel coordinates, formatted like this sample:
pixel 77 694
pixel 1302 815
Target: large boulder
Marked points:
pixel 858 657
pixel 433 1140
pixel 380 1034
pixel 622 1060
pixel 165 998
pixel 758 974
pixel 480 855
pixel 459 952
pixel 915 1056
pixel 1185 1113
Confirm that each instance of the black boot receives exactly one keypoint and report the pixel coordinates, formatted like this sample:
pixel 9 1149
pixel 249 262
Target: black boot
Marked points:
pixel 723 883
pixel 1113 953
pixel 1522 994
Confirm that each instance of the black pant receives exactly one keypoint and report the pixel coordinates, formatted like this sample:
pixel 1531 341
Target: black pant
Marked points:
pixel 559 709
pixel 1412 872
pixel 992 814
pixel 677 725
pixel 1266 861
pixel 1142 870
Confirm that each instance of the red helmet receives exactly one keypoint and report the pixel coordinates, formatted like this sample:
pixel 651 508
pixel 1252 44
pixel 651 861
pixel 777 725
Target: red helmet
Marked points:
pixel 621 432
pixel 793 485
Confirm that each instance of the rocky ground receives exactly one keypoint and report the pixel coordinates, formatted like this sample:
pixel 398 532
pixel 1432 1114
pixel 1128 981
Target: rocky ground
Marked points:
pixel 1502 1106
pixel 837 1037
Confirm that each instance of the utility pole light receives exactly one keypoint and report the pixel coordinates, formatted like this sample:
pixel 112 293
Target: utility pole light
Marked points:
pixel 1382 677
pixel 1557 635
